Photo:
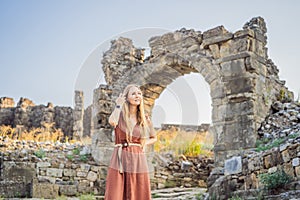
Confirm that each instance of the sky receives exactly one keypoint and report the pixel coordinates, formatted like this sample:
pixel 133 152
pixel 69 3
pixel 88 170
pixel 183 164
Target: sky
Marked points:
pixel 49 49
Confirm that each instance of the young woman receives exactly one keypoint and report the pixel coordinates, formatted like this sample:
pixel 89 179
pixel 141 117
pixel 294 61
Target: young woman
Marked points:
pixel 128 176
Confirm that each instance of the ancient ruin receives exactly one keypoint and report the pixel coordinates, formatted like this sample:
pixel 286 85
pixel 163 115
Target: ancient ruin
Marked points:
pixel 243 81
pixel 244 84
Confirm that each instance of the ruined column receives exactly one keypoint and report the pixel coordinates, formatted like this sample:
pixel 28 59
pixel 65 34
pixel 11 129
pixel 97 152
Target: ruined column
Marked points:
pixel 102 135
pixel 78 114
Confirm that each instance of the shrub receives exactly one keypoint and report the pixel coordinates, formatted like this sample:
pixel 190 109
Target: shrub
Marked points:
pixel 83 158
pixel 40 153
pixel 70 157
pixel 76 151
pixel 275 180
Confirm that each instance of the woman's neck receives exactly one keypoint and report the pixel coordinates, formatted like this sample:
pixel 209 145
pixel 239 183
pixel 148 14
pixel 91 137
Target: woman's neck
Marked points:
pixel 132 110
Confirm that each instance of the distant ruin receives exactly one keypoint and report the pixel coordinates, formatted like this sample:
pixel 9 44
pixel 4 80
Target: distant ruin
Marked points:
pixel 73 121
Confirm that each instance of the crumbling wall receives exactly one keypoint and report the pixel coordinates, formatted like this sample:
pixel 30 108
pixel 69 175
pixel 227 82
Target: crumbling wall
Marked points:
pixel 26 115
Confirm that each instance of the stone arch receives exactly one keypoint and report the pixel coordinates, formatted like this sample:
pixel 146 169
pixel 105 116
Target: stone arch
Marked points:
pixel 243 80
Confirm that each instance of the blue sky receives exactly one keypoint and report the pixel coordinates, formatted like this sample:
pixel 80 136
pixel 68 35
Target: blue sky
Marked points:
pixel 44 45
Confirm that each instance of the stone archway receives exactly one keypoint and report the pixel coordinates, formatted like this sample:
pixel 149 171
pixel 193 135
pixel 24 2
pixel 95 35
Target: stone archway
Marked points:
pixel 243 81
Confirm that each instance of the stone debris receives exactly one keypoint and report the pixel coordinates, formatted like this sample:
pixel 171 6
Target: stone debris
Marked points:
pixel 282 123
pixel 194 173
pixel 278 148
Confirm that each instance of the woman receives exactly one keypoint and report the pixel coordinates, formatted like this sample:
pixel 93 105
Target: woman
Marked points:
pixel 128 176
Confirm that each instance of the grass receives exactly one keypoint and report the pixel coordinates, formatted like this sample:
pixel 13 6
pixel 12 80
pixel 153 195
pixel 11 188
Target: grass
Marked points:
pixel 275 180
pixel 261 146
pixel 170 184
pixel 61 198
pixel 199 196
pixel 186 143
pixel 293 136
pixel 235 198
pixel 42 134
pixel 87 197
pixel 81 197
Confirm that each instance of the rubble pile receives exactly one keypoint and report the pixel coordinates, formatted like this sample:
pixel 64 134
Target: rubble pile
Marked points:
pixel 283 123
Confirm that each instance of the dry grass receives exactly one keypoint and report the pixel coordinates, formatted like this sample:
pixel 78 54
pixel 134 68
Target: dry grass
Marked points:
pixel 186 143
pixel 45 133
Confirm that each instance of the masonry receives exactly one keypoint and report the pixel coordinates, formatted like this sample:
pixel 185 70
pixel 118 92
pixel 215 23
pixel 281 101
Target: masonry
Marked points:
pixel 242 78
pixel 26 115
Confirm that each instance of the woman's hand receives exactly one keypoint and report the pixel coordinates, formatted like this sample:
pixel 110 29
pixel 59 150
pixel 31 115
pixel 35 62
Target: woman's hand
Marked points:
pixel 120 100
pixel 148 119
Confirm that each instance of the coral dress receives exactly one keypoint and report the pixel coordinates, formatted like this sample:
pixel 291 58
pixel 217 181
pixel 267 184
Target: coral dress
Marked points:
pixel 128 175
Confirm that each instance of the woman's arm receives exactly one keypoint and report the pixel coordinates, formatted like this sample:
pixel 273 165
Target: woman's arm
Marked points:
pixel 152 139
pixel 115 115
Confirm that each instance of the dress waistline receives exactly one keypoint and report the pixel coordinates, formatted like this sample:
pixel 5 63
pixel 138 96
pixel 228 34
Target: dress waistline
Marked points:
pixel 120 146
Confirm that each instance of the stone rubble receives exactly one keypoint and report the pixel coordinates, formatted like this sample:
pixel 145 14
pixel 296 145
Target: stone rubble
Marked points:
pixel 284 121
pixel 278 148
pixel 169 172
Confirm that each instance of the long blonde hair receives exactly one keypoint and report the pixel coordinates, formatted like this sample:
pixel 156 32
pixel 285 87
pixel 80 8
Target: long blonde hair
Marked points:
pixel 141 118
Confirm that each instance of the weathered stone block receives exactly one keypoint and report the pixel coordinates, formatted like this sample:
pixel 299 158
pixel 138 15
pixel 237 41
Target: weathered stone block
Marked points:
pixel 233 165
pixel 233 68
pixel 297 171
pixel 92 176
pixel 102 154
pixel 239 85
pixel 43 164
pixel 219 30
pixel 288 168
pixel 296 162
pixel 216 39
pixel 272 169
pixel 84 187
pixel 68 190
pixel 268 161
pixel 81 173
pixel 54 172
pixel 255 163
pixel 46 179
pixel 285 156
pixel 45 190
pixel 69 172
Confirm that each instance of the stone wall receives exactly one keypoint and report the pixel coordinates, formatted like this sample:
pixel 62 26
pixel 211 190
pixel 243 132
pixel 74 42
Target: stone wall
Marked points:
pixel 183 172
pixel 47 170
pixel 26 115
